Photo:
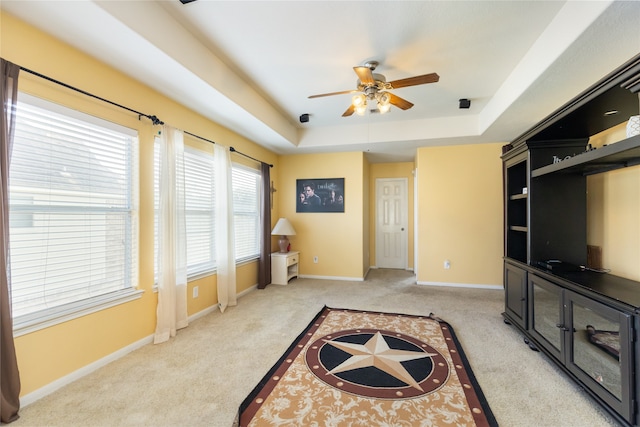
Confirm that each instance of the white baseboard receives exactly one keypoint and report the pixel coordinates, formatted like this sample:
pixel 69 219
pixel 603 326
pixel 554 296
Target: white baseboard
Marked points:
pixel 203 312
pixel 246 291
pixel 349 279
pixel 217 306
pixel 28 399
pixel 375 267
pixel 461 285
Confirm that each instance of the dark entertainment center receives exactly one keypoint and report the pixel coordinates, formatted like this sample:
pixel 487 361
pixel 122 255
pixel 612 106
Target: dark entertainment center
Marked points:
pixel 586 322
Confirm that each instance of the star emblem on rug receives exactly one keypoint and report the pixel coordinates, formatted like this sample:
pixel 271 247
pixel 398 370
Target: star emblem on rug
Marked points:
pixel 377 363
pixel 377 353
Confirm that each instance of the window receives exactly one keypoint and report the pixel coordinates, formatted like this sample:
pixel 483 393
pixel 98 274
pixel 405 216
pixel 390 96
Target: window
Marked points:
pixel 246 211
pixel 200 210
pixel 73 213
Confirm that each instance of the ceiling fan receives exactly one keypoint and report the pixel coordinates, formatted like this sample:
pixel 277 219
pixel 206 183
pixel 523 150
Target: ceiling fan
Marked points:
pixel 374 87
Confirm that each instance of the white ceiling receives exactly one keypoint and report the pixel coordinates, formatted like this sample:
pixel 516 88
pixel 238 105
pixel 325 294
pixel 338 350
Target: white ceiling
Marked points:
pixel 251 65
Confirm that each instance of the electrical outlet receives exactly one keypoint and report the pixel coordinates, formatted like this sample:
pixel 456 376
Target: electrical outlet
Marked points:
pixel 447 264
pixel 315 259
pixel 195 292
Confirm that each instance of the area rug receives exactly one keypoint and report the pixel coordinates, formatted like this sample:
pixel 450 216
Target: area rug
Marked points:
pixel 362 368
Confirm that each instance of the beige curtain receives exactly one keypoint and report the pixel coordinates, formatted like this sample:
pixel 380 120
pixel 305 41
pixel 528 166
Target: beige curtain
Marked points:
pixel 172 248
pixel 225 243
pixel 9 375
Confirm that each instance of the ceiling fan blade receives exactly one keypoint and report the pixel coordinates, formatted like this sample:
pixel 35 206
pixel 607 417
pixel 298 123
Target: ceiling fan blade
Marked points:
pixel 399 102
pixel 365 75
pixel 349 111
pixel 413 81
pixel 332 93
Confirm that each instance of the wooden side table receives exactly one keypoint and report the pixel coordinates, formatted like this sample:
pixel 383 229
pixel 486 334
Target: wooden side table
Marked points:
pixel 284 267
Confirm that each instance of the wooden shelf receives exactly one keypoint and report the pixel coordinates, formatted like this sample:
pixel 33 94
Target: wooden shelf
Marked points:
pixel 552 224
pixel 615 156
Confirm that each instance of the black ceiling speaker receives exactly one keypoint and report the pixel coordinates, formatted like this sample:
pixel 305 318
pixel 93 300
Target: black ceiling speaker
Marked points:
pixel 465 103
pixel 304 118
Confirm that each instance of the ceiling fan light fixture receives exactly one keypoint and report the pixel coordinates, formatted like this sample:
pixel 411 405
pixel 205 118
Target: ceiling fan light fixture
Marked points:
pixel 359 104
pixel 384 108
pixel 359 100
pixel 384 102
pixel 384 98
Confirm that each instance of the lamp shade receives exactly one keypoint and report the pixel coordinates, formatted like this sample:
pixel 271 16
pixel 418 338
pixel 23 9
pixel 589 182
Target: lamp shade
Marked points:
pixel 283 228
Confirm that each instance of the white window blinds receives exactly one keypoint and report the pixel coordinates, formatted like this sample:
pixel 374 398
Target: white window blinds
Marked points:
pixel 199 210
pixel 246 211
pixel 73 210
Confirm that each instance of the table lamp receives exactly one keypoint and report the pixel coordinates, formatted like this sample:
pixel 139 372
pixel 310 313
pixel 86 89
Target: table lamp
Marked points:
pixel 283 229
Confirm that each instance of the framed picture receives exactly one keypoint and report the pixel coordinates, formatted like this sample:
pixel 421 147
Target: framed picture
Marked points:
pixel 320 195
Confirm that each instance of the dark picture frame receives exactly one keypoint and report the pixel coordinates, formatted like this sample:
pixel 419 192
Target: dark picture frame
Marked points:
pixel 320 195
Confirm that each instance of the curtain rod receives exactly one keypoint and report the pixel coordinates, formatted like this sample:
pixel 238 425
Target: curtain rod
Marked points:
pixel 233 150
pixel 154 119
pixel 199 137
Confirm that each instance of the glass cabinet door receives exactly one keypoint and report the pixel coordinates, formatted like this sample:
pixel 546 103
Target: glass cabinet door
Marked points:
pixel 515 288
pixel 545 314
pixel 598 351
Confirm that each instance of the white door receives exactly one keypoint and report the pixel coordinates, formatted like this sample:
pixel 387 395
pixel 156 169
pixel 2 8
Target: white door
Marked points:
pixel 391 223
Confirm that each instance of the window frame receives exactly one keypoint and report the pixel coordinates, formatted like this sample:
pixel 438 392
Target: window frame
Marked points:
pixel 44 318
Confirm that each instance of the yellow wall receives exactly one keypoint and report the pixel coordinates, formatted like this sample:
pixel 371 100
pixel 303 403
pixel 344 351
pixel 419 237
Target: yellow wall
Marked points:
pixel 335 238
pixel 49 354
pixel 613 212
pixel 391 170
pixel 460 214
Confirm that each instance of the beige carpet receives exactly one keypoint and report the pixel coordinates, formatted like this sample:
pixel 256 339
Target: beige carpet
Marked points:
pixel 201 377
